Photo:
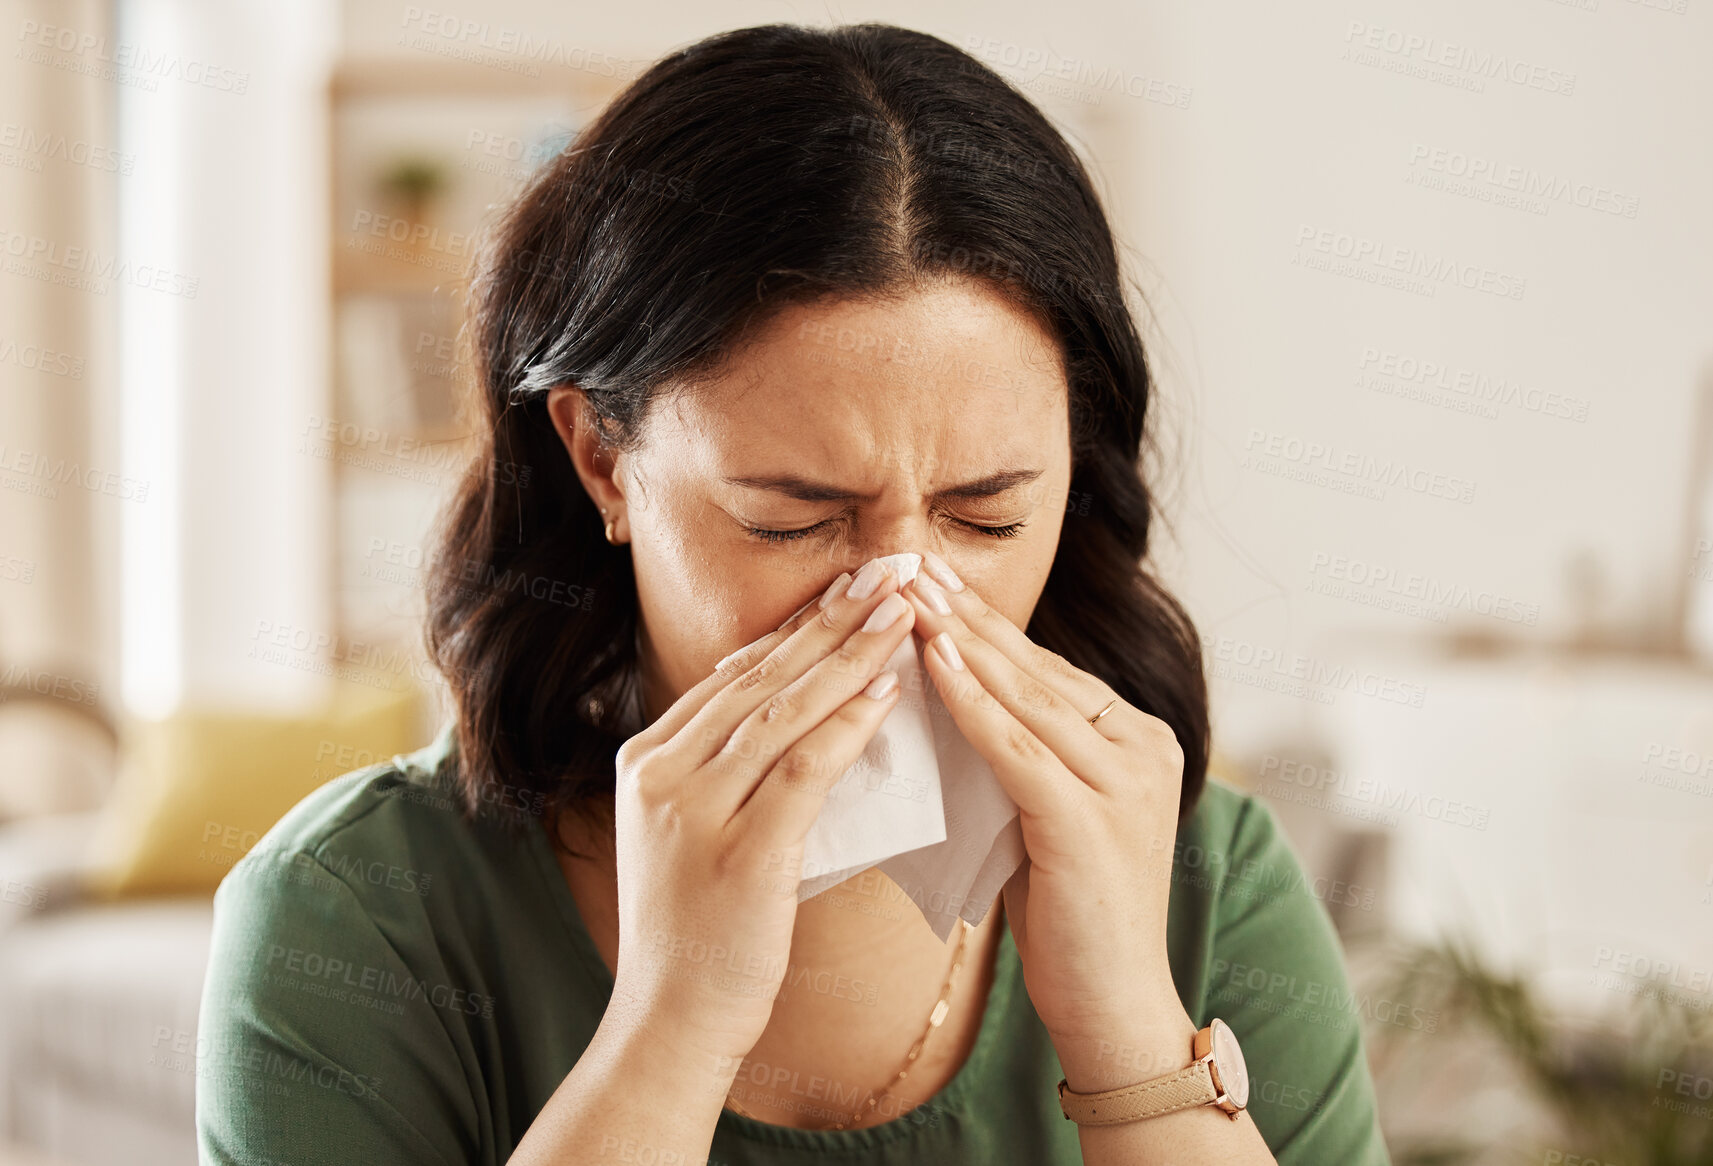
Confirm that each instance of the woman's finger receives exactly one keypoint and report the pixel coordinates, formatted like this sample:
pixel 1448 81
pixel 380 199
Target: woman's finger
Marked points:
pixel 740 661
pixel 1076 685
pixel 1037 705
pixel 770 685
pixel 1032 774
pixel 785 803
pixel 745 657
pixel 768 734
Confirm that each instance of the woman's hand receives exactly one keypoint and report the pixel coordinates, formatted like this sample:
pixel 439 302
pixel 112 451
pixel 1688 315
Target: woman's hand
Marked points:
pixel 1099 807
pixel 713 802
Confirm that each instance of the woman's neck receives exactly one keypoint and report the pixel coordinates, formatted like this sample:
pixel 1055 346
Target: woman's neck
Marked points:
pixel 864 975
pixel 866 930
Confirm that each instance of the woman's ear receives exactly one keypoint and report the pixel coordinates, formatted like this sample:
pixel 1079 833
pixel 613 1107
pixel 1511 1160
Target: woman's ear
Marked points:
pixel 575 424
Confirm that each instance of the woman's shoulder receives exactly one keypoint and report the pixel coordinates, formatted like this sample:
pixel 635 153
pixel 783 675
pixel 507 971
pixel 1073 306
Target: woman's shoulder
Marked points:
pixel 344 989
pixel 1240 893
pixel 1226 841
pixel 376 887
pixel 369 820
pixel 1224 810
pixel 389 849
pixel 1252 943
pixel 1235 842
pixel 395 787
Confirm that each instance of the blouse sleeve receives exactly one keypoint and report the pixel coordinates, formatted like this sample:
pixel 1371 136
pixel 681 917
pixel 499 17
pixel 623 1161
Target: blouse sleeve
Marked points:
pixel 312 1033
pixel 1276 976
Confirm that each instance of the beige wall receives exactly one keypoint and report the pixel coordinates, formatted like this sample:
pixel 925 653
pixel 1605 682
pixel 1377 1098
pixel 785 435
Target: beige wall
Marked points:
pixel 1250 123
pixel 1230 134
pixel 1241 147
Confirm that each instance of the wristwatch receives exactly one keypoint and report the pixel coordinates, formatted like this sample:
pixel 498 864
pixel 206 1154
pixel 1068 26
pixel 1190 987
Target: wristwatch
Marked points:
pixel 1216 1076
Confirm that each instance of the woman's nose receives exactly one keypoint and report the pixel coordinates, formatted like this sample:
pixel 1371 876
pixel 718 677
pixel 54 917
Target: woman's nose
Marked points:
pixel 911 533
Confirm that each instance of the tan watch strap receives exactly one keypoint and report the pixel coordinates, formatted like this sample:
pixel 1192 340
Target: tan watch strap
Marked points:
pixel 1162 1095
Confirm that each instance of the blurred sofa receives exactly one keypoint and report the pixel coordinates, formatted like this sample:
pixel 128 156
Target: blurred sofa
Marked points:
pixel 93 992
pixel 106 917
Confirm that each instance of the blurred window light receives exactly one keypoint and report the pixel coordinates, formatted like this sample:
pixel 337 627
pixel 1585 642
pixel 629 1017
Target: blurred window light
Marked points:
pixel 150 369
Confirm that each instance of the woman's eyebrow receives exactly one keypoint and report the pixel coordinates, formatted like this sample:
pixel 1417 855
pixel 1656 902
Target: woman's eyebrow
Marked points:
pixel 807 490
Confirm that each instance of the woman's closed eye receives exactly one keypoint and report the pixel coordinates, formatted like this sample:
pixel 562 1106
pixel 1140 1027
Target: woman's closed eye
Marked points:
pixel 1008 530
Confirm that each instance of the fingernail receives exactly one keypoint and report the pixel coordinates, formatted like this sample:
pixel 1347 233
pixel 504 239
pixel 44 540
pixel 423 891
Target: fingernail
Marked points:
pixel 949 650
pixel 833 588
pixel 938 568
pixel 867 579
pixel 931 594
pixel 887 613
pixel 881 685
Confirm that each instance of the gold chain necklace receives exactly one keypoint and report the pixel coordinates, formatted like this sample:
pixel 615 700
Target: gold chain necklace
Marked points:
pixel 935 1019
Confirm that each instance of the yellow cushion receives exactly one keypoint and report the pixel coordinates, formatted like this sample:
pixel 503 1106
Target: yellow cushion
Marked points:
pixel 197 790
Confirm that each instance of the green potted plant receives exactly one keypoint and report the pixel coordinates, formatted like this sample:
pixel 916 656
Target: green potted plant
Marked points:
pixel 1635 1089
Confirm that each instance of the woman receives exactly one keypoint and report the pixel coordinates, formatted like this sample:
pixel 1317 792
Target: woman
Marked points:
pixel 797 301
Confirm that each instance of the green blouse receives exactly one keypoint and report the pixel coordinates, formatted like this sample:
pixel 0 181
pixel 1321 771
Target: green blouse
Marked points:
pixel 391 984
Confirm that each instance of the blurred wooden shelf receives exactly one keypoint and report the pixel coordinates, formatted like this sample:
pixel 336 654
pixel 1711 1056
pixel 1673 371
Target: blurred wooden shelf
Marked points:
pixel 425 142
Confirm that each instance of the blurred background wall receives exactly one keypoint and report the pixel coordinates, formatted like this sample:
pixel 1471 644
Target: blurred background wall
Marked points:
pixel 1429 293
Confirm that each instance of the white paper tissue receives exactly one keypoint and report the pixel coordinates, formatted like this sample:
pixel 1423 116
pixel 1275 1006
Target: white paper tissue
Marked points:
pixel 921 804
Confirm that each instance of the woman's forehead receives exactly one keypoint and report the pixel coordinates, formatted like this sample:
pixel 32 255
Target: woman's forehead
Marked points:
pixel 945 376
pixel 848 432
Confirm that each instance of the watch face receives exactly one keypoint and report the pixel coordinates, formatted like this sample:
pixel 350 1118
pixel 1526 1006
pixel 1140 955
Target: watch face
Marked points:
pixel 1228 1058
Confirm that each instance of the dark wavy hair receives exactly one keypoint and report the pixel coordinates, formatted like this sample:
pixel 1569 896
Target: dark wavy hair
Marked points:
pixel 751 170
